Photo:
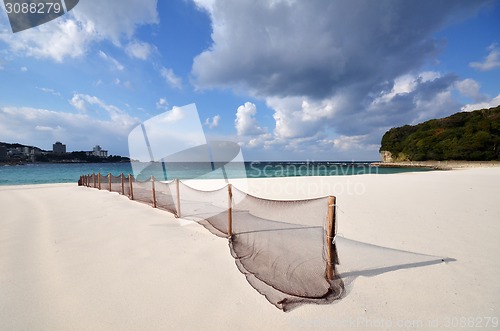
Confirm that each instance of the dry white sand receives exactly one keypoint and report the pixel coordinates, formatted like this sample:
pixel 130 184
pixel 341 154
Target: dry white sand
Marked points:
pixel 79 258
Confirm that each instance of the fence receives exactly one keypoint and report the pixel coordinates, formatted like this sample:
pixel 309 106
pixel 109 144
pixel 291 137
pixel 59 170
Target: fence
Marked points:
pixel 286 249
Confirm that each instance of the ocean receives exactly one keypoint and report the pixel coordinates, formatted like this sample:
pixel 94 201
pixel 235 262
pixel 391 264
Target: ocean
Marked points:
pixel 43 173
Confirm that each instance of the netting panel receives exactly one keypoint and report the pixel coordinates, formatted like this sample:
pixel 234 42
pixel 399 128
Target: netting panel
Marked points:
pixel 280 246
pixel 126 186
pixel 116 184
pixel 166 196
pixel 143 191
pixel 200 205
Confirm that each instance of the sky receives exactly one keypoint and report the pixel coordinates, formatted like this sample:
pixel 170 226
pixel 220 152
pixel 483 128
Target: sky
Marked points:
pixel 286 79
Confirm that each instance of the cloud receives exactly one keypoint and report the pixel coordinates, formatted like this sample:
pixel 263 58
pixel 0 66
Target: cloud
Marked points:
pixel 139 50
pixel 245 122
pixel 71 35
pixel 85 102
pixel 308 126
pixel 111 60
pixel 213 122
pixel 490 62
pixel 55 40
pixel 313 48
pixel 162 104
pixel 482 105
pixel 79 131
pixel 24 69
pixel 49 90
pixel 331 70
pixel 171 78
pixel 470 88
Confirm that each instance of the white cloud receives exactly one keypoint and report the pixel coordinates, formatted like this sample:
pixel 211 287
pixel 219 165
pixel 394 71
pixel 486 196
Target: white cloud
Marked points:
pixel 49 90
pixel 470 88
pixel 111 60
pixel 116 19
pixel 139 50
pixel 162 104
pixel 298 117
pixel 245 122
pixel 491 61
pixel 71 35
pixel 79 131
pixel 56 40
pixel 24 69
pixel 482 105
pixel 83 102
pixel 171 78
pixel 213 122
pixel 345 143
pixel 52 129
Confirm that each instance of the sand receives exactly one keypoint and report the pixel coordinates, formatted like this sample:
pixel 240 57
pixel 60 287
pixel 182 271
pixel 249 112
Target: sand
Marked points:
pixel 79 258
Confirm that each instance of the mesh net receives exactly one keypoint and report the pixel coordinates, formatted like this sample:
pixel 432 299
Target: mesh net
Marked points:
pixel 200 206
pixel 166 196
pixel 126 186
pixel 281 247
pixel 143 191
pixel 116 184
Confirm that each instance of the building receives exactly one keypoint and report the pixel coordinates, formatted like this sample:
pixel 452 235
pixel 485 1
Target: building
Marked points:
pixel 99 152
pixel 59 148
pixel 3 152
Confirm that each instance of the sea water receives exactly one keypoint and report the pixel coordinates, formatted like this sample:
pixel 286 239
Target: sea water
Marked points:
pixel 43 173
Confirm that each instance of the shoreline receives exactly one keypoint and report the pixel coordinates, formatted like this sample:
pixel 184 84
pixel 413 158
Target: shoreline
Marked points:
pixel 438 165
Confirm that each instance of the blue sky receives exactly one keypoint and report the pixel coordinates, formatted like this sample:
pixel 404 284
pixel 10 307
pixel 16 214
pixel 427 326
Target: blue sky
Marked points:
pixel 287 80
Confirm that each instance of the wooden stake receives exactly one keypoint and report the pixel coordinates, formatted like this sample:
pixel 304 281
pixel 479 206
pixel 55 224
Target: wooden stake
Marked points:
pixel 131 187
pixel 109 181
pixel 153 188
pixel 123 183
pixel 178 198
pixel 93 179
pixel 99 180
pixel 331 252
pixel 229 212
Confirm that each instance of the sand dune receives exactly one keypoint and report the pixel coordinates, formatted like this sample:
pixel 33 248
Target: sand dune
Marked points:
pixel 79 258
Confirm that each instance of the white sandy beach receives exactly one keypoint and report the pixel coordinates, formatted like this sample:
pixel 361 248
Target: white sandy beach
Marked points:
pixel 78 258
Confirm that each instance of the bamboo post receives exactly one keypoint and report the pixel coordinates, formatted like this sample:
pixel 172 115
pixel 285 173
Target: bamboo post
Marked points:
pixel 93 179
pixel 178 197
pixel 153 189
pixel 109 181
pixel 331 252
pixel 99 180
pixel 229 212
pixel 131 187
pixel 123 183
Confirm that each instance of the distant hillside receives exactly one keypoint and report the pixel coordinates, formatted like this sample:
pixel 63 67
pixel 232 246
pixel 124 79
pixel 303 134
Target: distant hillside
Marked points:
pixel 470 136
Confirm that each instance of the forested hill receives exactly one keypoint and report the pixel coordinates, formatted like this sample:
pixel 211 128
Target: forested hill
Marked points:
pixel 470 136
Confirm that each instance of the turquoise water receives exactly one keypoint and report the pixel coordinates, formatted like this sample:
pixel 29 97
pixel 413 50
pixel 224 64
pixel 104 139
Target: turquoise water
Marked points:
pixel 70 172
